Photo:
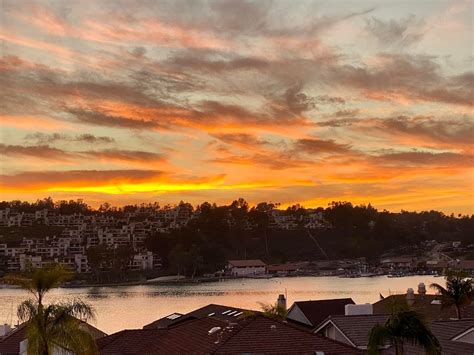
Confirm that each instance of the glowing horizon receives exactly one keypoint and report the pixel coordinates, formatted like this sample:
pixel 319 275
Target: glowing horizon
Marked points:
pixel 292 102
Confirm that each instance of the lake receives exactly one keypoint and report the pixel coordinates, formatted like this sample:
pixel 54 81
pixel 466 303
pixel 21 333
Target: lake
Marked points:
pixel 127 307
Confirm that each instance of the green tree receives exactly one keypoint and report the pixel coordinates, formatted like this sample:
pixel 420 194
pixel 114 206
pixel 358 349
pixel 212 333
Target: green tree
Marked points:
pixel 458 291
pixel 56 325
pixel 274 311
pixel 259 215
pixel 403 326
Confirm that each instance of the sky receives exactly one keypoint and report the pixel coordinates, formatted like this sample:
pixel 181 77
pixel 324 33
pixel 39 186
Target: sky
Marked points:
pixel 286 101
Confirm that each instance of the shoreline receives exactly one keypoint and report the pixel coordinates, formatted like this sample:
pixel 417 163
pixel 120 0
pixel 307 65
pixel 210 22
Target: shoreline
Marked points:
pixel 197 281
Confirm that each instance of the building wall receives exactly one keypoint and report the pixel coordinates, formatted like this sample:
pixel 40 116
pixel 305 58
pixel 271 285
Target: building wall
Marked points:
pixel 297 315
pixel 331 332
pixel 247 271
pixel 468 338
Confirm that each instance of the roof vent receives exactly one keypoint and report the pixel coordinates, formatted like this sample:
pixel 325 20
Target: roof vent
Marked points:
pixel 436 302
pixel 410 296
pixel 4 330
pixel 273 328
pixel 214 330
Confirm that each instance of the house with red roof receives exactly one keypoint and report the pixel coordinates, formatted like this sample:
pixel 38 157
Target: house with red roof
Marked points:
pixel 243 268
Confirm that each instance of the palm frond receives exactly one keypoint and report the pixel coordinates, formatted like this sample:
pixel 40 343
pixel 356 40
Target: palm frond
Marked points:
pixel 27 310
pixel 379 336
pixel 274 311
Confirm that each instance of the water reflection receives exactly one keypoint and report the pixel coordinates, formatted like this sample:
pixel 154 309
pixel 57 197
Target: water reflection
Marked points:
pixel 134 306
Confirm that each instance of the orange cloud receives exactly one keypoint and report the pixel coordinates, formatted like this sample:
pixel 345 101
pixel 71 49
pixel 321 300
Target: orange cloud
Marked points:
pixel 36 44
pixel 27 122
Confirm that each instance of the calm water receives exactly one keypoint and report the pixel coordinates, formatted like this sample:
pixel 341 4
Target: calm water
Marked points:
pixel 134 306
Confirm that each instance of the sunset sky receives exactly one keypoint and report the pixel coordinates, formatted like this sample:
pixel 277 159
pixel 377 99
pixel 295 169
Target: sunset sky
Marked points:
pixel 285 101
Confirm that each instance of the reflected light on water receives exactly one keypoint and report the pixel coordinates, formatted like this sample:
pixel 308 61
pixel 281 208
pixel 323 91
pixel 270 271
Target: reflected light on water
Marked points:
pixel 127 307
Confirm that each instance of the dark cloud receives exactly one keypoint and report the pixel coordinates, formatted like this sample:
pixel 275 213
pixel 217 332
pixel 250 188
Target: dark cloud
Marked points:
pixel 138 52
pixel 419 158
pixel 412 77
pixel 297 101
pixel 402 33
pixel 125 155
pixel 320 146
pixel 273 161
pixel 100 119
pixel 41 151
pixel 325 99
pixel 452 131
pixel 44 138
pixel 346 113
pixel 48 153
pixel 243 139
pixel 341 122
pixel 215 62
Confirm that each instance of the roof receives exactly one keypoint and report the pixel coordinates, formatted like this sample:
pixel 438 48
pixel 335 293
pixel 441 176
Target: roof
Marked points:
pixel 356 328
pixel 397 259
pixel 284 267
pixel 185 337
pixel 246 263
pixel 264 335
pixel 10 344
pixel 428 305
pixel 465 264
pixel 217 311
pixel 446 331
pixel 254 334
pixel 318 311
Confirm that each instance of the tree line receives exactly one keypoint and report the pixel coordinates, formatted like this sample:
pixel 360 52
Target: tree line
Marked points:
pixel 217 233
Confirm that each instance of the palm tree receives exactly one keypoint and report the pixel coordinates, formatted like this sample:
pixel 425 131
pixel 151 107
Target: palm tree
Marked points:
pixel 274 311
pixel 57 325
pixel 403 326
pixel 458 291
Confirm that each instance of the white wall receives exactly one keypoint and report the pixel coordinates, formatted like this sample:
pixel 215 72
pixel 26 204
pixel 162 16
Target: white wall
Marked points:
pixel 467 338
pixel 297 315
pixel 247 271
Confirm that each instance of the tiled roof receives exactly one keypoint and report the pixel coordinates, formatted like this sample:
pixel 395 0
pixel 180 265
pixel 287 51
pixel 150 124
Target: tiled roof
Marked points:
pixel 356 328
pixel 317 311
pixel 188 337
pixel 217 311
pixel 424 304
pixel 254 334
pixel 262 335
pixel 445 331
pixel 10 344
pixel 245 263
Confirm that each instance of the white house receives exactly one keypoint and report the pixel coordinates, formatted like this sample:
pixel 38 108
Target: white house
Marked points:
pixel 246 267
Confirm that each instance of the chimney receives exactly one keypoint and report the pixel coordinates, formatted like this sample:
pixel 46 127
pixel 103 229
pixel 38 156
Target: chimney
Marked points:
pixel 358 309
pixel 281 302
pixel 410 297
pixel 4 330
pixel 421 288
